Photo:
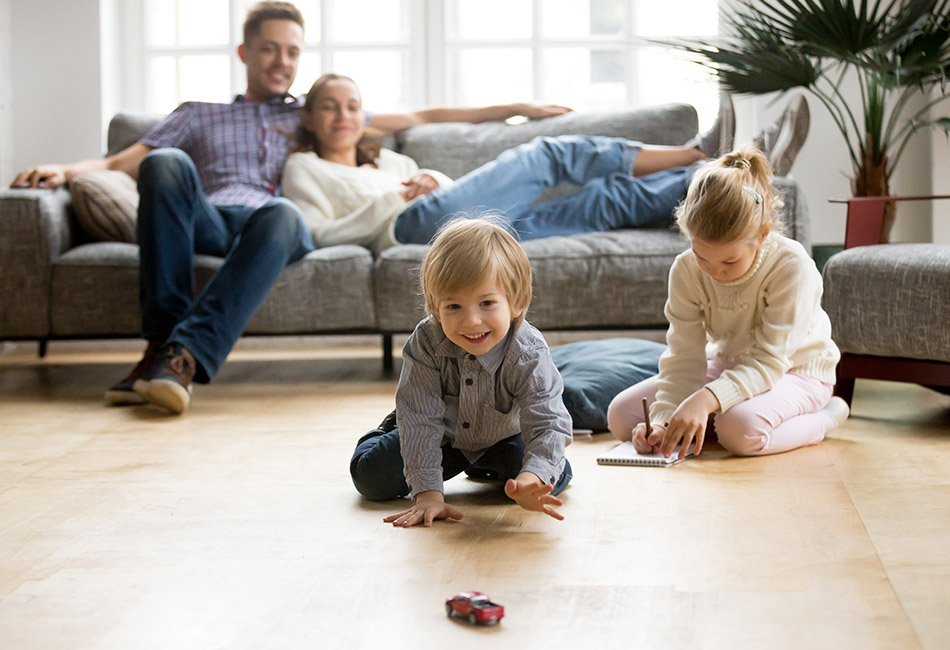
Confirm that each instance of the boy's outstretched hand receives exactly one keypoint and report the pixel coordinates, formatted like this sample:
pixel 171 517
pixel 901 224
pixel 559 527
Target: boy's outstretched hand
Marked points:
pixel 531 493
pixel 428 507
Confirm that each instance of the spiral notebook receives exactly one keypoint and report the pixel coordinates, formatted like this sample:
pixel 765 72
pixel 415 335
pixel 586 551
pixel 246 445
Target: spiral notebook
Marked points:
pixel 625 454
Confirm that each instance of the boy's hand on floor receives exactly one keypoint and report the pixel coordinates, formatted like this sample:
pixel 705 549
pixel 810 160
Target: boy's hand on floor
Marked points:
pixel 428 507
pixel 531 493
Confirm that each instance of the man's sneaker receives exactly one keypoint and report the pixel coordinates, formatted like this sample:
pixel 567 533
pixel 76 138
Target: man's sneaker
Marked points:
pixel 782 140
pixel 718 140
pixel 168 382
pixel 122 392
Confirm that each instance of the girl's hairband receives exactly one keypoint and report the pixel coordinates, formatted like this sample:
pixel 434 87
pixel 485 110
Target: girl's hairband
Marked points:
pixel 753 193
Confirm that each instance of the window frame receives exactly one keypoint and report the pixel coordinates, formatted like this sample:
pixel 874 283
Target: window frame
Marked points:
pixel 430 53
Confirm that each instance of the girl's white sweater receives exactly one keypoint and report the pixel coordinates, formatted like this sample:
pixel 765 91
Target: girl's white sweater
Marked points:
pixel 765 324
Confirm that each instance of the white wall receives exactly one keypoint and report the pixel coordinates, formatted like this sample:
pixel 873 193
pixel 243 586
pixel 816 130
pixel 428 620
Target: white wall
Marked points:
pixel 6 89
pixel 940 159
pixel 56 89
pixel 823 169
pixel 820 168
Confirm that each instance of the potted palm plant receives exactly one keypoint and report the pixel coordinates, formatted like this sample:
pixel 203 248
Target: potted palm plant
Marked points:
pixel 899 51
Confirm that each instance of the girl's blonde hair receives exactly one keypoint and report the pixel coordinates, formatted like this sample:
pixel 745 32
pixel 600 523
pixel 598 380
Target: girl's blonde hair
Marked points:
pixel 730 199
pixel 468 251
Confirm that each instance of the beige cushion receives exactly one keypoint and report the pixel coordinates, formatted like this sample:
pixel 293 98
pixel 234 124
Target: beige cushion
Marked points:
pixel 106 203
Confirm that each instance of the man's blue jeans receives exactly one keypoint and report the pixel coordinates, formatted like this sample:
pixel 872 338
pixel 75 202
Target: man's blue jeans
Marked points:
pixel 378 473
pixel 609 198
pixel 176 221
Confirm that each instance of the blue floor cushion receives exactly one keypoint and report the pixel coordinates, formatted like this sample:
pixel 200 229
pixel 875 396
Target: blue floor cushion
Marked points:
pixel 595 371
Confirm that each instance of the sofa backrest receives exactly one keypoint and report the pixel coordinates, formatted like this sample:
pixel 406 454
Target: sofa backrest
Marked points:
pixel 125 129
pixel 458 148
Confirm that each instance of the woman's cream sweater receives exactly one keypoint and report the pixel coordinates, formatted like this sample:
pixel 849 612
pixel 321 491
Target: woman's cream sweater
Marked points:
pixel 351 205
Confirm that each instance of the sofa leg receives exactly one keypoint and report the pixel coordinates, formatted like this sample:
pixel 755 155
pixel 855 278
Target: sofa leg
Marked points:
pixel 388 352
pixel 41 348
pixel 844 388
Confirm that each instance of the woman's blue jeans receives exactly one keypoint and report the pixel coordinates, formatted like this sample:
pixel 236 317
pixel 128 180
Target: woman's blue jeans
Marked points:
pixel 176 221
pixel 609 198
pixel 377 468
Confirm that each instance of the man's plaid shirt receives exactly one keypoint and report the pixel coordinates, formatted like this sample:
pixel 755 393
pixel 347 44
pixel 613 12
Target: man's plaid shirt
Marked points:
pixel 239 148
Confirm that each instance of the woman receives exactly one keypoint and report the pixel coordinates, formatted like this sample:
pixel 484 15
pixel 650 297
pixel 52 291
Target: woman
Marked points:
pixel 352 193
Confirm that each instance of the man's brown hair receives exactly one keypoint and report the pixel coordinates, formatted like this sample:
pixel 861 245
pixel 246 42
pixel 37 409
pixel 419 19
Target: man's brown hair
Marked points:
pixel 262 11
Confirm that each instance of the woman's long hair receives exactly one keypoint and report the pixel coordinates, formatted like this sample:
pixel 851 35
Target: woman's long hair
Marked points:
pixel 367 149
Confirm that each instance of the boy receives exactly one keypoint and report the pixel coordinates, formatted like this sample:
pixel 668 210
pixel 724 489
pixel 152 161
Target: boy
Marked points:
pixel 478 390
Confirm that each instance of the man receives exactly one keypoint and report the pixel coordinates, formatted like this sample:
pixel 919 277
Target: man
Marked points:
pixel 208 176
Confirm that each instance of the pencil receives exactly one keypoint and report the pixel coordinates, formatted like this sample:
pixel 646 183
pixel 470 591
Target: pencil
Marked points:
pixel 646 417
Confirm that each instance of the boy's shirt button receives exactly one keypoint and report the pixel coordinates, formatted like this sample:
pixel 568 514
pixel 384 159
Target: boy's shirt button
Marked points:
pixel 468 382
pixel 465 425
pixel 471 357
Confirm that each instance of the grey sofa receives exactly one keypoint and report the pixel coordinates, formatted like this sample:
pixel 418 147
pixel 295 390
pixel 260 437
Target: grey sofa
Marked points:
pixel 888 304
pixel 55 284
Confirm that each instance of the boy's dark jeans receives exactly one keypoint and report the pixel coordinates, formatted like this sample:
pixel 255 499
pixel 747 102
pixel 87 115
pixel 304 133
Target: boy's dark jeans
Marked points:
pixel 377 467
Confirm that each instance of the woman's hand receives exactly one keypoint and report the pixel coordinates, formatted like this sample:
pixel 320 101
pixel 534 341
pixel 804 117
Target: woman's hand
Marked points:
pixel 427 507
pixel 531 493
pixel 688 423
pixel 645 444
pixel 418 185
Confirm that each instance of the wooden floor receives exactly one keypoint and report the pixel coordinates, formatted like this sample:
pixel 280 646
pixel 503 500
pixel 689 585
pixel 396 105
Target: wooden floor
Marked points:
pixel 236 526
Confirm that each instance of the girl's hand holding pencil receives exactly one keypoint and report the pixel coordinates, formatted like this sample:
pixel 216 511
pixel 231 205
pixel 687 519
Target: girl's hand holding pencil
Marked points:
pixel 647 438
pixel 688 423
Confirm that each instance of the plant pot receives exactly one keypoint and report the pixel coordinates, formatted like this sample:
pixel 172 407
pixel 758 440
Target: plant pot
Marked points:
pixel 870 179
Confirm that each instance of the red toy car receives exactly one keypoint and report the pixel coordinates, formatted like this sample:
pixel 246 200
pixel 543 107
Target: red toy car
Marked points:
pixel 475 606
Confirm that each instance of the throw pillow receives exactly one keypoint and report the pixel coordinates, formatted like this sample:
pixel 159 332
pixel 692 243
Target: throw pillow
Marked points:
pixel 594 372
pixel 106 203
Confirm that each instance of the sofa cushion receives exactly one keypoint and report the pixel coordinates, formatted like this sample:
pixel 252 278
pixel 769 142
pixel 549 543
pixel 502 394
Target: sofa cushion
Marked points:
pixel 601 280
pixel 594 372
pixel 95 292
pixel 106 204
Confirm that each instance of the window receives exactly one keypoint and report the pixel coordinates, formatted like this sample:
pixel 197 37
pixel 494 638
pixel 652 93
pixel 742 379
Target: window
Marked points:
pixel 190 49
pixel 588 54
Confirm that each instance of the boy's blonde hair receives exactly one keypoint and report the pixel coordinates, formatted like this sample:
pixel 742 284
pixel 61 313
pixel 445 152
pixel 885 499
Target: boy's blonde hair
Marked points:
pixel 730 199
pixel 467 252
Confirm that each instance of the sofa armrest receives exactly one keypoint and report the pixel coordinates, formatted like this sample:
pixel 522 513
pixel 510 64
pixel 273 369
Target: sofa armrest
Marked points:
pixel 35 229
pixel 795 210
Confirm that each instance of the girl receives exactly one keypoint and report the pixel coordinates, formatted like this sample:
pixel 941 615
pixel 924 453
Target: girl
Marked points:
pixel 750 299
pixel 350 193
